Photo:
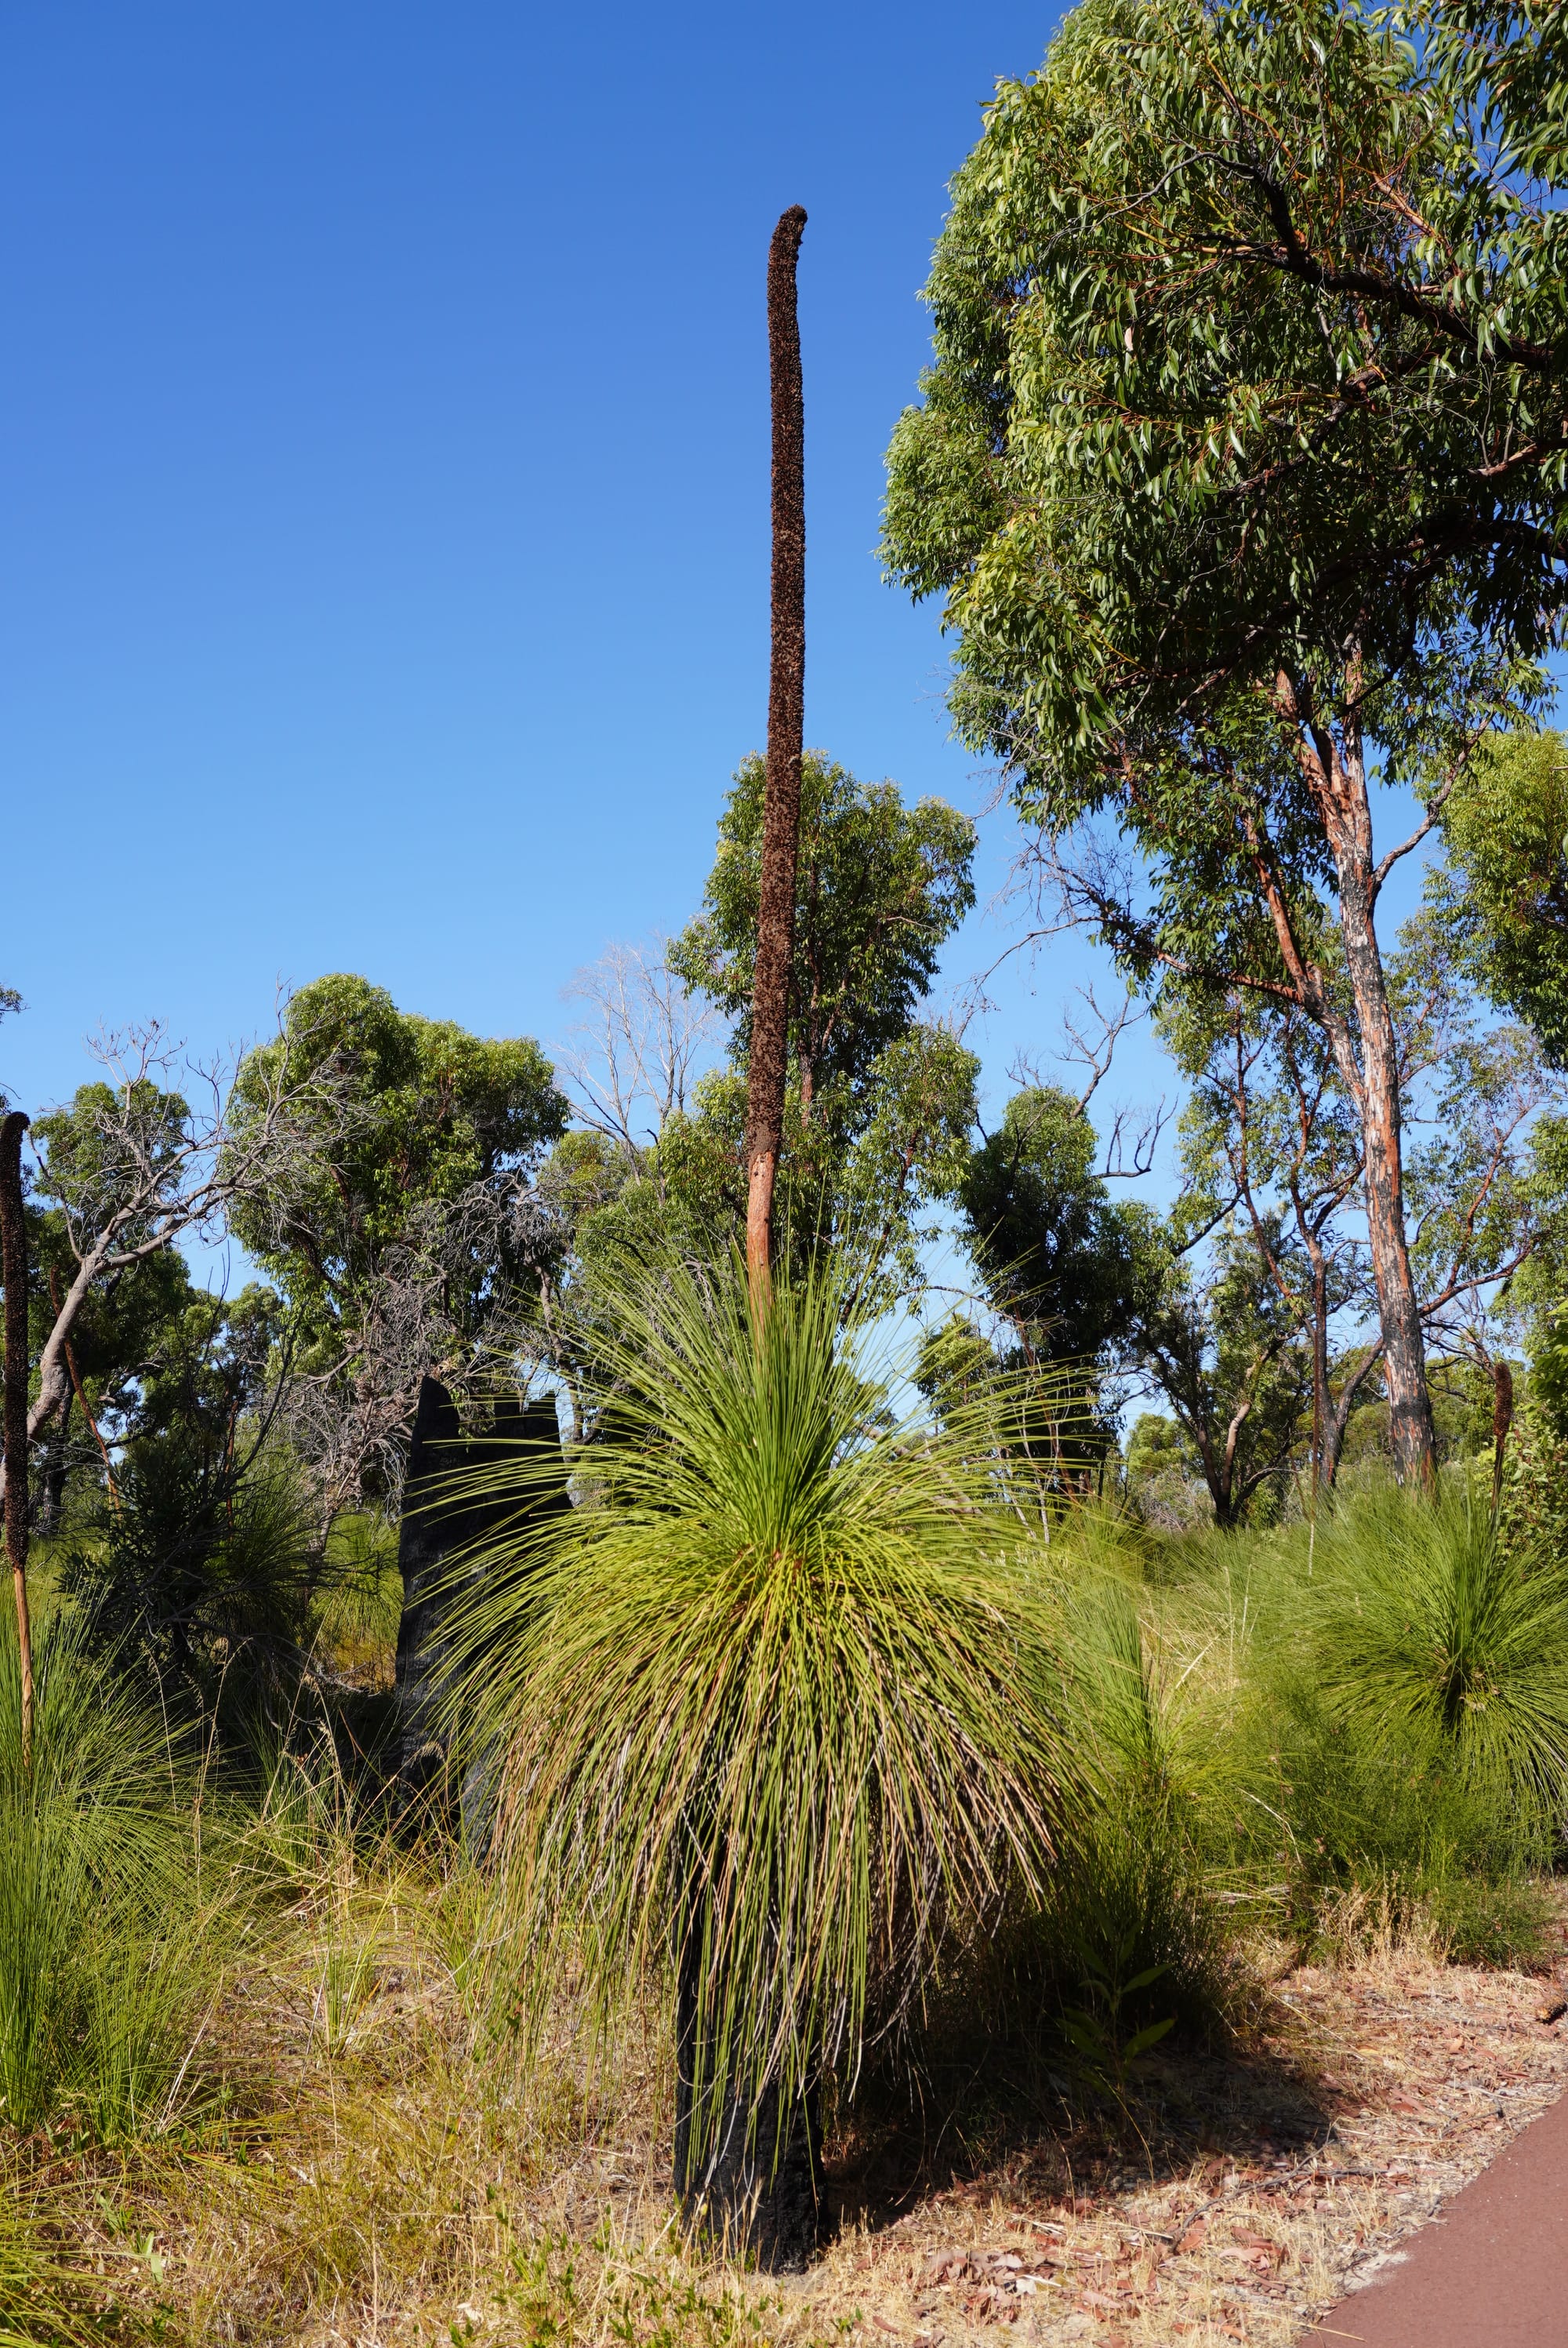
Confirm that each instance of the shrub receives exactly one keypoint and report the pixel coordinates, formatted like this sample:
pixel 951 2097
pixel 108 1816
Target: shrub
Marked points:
pixel 1131 1932
pixel 1437 1648
pixel 199 1579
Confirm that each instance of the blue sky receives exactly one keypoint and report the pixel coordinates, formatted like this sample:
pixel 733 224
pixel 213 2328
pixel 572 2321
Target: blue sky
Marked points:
pixel 384 464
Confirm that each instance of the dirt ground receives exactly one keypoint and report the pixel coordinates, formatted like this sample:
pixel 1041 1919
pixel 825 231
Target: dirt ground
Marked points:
pixel 1372 2096
pixel 375 2204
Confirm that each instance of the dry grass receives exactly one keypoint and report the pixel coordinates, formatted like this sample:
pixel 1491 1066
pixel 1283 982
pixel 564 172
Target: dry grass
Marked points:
pixel 372 2185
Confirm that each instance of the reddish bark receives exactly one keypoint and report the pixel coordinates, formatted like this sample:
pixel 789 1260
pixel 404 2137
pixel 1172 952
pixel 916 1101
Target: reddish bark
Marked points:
pixel 1333 766
pixel 786 719
pixel 13 1269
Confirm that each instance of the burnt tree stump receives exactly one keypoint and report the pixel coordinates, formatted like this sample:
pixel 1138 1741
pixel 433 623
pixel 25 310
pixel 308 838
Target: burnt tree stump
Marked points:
pixel 451 1515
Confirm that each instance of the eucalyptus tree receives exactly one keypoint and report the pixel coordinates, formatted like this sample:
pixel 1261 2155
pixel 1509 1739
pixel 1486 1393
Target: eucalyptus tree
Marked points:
pixel 148 1155
pixel 1269 1136
pixel 402 1229
pixel 1502 893
pixel 1243 469
pixel 1221 1340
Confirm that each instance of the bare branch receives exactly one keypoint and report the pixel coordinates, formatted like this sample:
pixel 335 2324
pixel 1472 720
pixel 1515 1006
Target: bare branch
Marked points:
pixel 631 1062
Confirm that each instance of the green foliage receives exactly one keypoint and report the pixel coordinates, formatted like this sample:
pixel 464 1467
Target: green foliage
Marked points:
pixel 113 1927
pixel 1176 262
pixel 879 1104
pixel 97 1149
pixel 1432 1641
pixel 1220 324
pixel 420 1134
pixel 1163 1475
pixel 1129 1913
pixel 1063 1263
pixel 198 1580
pixel 781 1675
pixel 880 886
pixel 546 2297
pixel 1504 889
pixel 1222 1350
pixel 1388 1723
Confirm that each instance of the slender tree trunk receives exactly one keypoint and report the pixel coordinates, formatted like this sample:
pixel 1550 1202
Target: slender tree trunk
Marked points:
pixel 80 1392
pixel 1320 1406
pixel 54 1380
pixel 1404 1357
pixel 786 719
pixel 13 1268
pixel 1335 773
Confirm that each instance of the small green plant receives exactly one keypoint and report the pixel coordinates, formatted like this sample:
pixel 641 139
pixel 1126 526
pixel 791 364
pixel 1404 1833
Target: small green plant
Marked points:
pixel 1432 1642
pixel 643 2296
pixel 1396 1726
pixel 1129 1905
pixel 1107 2051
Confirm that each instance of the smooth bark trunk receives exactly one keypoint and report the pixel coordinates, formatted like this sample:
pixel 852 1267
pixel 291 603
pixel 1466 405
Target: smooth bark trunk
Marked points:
pixel 54 1374
pixel 1410 1429
pixel 786 721
pixel 14 1270
pixel 1368 1062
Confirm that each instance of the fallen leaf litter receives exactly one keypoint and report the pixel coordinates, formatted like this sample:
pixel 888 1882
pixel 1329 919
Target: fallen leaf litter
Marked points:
pixel 1415 2074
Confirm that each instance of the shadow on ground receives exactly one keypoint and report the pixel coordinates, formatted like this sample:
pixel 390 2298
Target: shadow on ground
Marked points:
pixel 1018 2117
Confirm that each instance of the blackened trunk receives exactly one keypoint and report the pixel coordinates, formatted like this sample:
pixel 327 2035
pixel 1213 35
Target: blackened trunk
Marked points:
pixel 1502 1420
pixel 455 1504
pixel 748 2172
pixel 14 1270
pixel 786 721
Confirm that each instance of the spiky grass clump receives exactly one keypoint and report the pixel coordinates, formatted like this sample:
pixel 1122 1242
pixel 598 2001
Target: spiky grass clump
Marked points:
pixel 113 1927
pixel 781 1670
pixel 1387 1699
pixel 1433 1643
pixel 1131 1901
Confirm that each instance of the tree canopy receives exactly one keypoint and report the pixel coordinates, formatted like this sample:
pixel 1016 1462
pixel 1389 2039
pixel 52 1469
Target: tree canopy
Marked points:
pixel 1503 892
pixel 881 887
pixel 1242 471
pixel 880 1102
pixel 1266 306
pixel 405 1232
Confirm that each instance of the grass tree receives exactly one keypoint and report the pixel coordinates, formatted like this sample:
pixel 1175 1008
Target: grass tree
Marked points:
pixel 775 1705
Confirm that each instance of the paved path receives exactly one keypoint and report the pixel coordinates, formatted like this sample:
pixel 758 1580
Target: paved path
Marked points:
pixel 1490 2272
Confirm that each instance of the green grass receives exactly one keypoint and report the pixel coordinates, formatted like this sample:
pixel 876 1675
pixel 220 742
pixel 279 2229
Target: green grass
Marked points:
pixel 115 1916
pixel 1385 1707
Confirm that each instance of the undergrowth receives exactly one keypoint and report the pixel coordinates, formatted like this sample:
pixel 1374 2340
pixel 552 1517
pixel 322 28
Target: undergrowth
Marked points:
pixel 254 2089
